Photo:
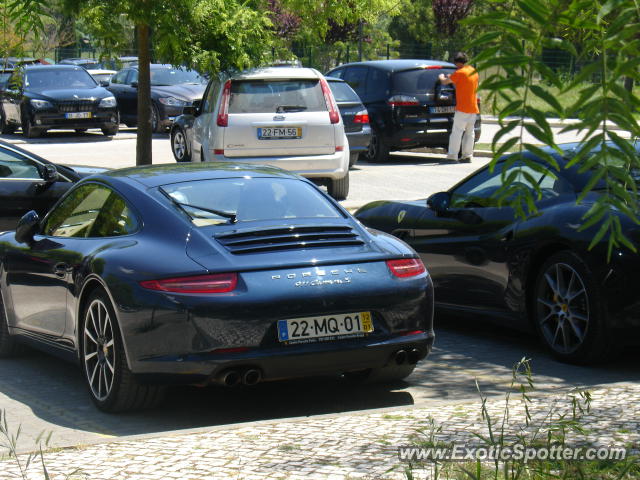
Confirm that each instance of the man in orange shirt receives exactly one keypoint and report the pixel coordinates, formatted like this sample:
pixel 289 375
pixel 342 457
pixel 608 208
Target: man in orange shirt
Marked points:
pixel 465 78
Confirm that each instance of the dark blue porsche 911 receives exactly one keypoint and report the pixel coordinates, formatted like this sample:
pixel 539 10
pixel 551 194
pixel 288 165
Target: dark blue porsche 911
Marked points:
pixel 210 274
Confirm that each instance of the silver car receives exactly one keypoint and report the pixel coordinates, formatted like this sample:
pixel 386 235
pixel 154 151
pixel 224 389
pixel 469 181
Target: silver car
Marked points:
pixel 286 117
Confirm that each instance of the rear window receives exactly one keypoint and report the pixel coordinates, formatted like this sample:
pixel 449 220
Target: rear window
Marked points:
pixel 419 80
pixel 224 201
pixel 343 92
pixel 276 96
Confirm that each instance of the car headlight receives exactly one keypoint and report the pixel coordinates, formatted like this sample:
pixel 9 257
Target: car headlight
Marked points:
pixel 173 102
pixel 108 102
pixel 40 104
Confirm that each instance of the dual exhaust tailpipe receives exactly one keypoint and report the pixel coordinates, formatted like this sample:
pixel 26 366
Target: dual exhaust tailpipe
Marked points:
pixel 409 357
pixel 233 378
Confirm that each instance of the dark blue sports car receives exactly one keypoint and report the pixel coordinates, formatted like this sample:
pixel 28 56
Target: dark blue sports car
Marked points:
pixel 210 274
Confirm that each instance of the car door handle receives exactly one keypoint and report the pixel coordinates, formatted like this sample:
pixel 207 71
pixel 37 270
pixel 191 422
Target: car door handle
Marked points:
pixel 60 269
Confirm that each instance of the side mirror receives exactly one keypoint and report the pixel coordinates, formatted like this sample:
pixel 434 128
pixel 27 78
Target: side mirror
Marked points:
pixel 193 109
pixel 50 174
pixel 27 227
pixel 439 202
pixel 104 83
pixel 134 84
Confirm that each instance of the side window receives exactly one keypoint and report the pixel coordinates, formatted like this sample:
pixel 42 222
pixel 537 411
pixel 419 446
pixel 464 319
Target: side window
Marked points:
pixel 91 210
pixel 13 165
pixel 377 85
pixel 479 190
pixel 209 103
pixel 133 76
pixel 339 73
pixel 120 77
pixel 356 77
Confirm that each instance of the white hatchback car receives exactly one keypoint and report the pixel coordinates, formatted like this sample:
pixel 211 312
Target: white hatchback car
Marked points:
pixel 286 117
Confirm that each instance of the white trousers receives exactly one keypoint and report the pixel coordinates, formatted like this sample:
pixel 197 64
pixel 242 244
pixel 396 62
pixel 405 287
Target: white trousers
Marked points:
pixel 462 132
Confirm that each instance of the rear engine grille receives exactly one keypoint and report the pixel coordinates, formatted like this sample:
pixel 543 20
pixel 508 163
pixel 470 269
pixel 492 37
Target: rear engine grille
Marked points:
pixel 71 106
pixel 289 238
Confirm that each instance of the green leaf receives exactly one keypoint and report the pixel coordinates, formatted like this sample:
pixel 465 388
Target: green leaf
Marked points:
pixel 506 146
pixel 595 178
pixel 539 134
pixel 547 97
pixel 606 9
pixel 535 11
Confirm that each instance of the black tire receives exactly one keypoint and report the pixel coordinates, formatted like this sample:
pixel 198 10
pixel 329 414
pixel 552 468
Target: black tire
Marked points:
pixel 110 131
pixel 179 144
pixel 339 189
pixel 156 126
pixel 102 354
pixel 5 128
pixel 378 151
pixel 29 130
pixel 568 312
pixel 353 158
pixel 9 346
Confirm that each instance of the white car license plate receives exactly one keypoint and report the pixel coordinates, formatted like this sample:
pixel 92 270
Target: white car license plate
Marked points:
pixel 324 326
pixel 275 133
pixel 78 115
pixel 448 109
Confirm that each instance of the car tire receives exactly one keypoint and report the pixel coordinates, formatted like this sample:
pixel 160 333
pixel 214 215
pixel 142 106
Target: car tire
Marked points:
pixel 353 158
pixel 156 126
pixel 378 151
pixel 29 130
pixel 179 144
pixel 5 128
pixel 568 311
pixel 110 131
pixel 112 386
pixel 339 189
pixel 9 346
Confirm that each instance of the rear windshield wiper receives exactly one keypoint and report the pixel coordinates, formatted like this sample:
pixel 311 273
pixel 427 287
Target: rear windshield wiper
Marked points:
pixel 231 216
pixel 290 108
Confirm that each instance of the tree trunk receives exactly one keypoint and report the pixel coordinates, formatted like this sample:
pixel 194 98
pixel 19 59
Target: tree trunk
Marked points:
pixel 143 144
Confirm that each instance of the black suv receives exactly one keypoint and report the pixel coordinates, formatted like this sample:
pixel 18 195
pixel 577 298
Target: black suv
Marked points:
pixel 46 97
pixel 408 107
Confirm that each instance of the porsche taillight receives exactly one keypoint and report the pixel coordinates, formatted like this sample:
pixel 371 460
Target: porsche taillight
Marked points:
pixel 215 283
pixel 406 267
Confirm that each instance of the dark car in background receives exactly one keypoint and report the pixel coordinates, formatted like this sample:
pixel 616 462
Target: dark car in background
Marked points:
pixel 354 116
pixel 407 105
pixel 5 74
pixel 538 273
pixel 46 97
pixel 263 277
pixel 172 89
pixel 88 63
pixel 29 182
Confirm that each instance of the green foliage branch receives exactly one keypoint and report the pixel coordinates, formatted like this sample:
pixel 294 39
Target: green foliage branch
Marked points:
pixel 515 34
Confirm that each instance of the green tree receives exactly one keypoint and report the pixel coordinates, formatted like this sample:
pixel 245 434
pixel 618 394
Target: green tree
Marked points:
pixel 210 35
pixel 609 31
pixel 20 21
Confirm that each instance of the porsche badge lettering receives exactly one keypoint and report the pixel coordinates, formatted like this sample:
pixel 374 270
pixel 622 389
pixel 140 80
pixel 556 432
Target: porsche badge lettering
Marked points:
pixel 306 281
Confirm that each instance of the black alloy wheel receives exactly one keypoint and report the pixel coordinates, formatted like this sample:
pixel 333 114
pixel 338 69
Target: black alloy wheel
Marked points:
pixel 112 386
pixel 378 151
pixel 156 126
pixel 568 312
pixel 29 130
pixel 179 145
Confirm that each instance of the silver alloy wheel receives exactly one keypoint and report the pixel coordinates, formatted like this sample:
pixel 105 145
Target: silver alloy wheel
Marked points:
pixel 562 307
pixel 99 349
pixel 179 144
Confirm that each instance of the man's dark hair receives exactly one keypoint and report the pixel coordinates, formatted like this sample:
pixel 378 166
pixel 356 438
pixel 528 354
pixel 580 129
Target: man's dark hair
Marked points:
pixel 460 57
